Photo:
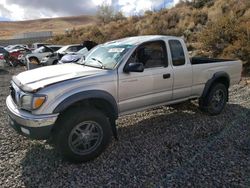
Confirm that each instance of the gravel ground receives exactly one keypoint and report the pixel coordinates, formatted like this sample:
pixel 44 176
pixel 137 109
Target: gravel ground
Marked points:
pixel 176 146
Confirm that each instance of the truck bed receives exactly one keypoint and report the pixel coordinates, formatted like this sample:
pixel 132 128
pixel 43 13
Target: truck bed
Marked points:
pixel 203 60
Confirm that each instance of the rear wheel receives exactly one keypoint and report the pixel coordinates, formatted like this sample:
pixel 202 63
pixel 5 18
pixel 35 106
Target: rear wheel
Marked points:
pixel 215 100
pixel 83 134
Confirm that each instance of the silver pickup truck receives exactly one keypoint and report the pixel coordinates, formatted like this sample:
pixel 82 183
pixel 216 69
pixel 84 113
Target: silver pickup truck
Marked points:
pixel 76 105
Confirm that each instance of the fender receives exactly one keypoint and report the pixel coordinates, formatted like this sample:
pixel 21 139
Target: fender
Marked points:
pixel 215 77
pixel 90 94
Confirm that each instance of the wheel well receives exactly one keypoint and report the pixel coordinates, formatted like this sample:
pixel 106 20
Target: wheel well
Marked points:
pixel 33 57
pixel 100 104
pixel 55 62
pixel 104 106
pixel 222 80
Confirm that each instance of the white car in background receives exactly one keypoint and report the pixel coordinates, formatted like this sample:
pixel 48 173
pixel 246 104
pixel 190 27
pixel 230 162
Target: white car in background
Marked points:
pixel 16 46
pixel 74 57
pixel 53 58
pixel 38 45
pixel 37 55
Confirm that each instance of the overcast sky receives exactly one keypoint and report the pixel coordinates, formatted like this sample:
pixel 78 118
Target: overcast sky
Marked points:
pixel 33 9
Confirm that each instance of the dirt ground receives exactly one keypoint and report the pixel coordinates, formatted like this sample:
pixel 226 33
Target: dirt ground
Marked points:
pixel 177 146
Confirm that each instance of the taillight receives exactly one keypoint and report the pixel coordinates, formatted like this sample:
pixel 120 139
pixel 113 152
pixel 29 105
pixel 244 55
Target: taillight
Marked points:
pixel 1 57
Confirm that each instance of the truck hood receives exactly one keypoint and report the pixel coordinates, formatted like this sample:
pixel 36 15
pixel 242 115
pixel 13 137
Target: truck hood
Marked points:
pixel 36 79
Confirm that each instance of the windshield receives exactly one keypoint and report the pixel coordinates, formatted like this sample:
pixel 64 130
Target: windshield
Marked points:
pixel 62 49
pixel 83 51
pixel 106 56
pixel 71 48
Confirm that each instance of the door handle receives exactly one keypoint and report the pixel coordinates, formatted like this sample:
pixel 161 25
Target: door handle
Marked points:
pixel 166 76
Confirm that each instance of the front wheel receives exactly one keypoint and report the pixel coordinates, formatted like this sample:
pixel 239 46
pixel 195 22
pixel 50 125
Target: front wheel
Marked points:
pixel 83 134
pixel 216 99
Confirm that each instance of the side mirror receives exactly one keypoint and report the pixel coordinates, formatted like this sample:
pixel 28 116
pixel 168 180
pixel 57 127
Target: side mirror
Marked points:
pixel 134 67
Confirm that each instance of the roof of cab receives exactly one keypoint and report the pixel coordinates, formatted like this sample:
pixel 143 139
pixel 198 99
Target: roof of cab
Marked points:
pixel 138 39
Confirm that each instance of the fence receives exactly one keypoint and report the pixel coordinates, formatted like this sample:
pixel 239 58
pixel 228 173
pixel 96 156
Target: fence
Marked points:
pixel 23 41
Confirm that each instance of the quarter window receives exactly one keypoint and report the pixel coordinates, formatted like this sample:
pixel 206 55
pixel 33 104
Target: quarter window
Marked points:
pixel 177 53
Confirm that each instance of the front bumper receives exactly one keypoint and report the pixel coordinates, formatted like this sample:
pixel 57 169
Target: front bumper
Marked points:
pixel 33 126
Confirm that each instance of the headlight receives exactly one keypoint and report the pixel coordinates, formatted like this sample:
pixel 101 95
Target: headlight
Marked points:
pixel 26 102
pixel 30 102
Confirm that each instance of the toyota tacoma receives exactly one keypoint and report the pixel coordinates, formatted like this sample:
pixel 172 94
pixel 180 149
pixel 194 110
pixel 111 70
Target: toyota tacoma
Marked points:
pixel 76 105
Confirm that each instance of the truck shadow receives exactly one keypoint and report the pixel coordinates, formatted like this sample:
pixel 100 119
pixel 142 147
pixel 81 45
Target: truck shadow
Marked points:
pixel 151 145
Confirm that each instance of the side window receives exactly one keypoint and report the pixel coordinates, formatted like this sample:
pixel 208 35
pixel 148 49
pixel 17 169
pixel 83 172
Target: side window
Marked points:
pixel 46 50
pixel 152 54
pixel 79 48
pixel 177 53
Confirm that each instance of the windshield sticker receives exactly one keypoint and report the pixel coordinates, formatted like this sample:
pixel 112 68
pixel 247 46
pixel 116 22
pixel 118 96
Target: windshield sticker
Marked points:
pixel 116 50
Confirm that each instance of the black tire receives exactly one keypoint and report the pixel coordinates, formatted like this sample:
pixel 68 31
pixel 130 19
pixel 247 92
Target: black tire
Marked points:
pixel 55 62
pixel 215 101
pixel 72 127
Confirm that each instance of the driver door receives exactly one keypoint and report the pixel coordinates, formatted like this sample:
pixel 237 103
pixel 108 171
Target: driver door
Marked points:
pixel 139 90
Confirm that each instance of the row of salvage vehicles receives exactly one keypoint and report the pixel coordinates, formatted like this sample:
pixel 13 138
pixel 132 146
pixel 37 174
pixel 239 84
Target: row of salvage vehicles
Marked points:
pixel 43 54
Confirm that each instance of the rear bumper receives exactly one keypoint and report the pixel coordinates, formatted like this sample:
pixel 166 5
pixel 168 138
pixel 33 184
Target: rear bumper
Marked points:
pixel 25 123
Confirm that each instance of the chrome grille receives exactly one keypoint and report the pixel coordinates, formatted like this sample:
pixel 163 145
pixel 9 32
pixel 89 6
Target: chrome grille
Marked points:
pixel 13 93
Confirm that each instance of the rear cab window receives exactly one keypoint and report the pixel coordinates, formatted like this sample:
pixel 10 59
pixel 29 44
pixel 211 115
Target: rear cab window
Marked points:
pixel 177 53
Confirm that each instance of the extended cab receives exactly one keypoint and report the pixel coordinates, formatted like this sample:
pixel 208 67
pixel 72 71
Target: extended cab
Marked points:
pixel 77 104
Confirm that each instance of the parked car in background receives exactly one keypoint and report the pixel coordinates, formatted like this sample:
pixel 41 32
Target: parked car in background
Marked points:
pixel 70 53
pixel 69 48
pixel 36 56
pixel 17 53
pixel 7 59
pixel 74 56
pixel 16 46
pixel 52 59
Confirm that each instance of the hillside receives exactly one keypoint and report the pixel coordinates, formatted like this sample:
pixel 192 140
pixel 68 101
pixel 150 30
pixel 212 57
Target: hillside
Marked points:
pixel 57 25
pixel 217 28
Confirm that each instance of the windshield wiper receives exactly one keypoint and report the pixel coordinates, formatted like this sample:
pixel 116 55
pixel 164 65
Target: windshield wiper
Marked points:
pixel 101 63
